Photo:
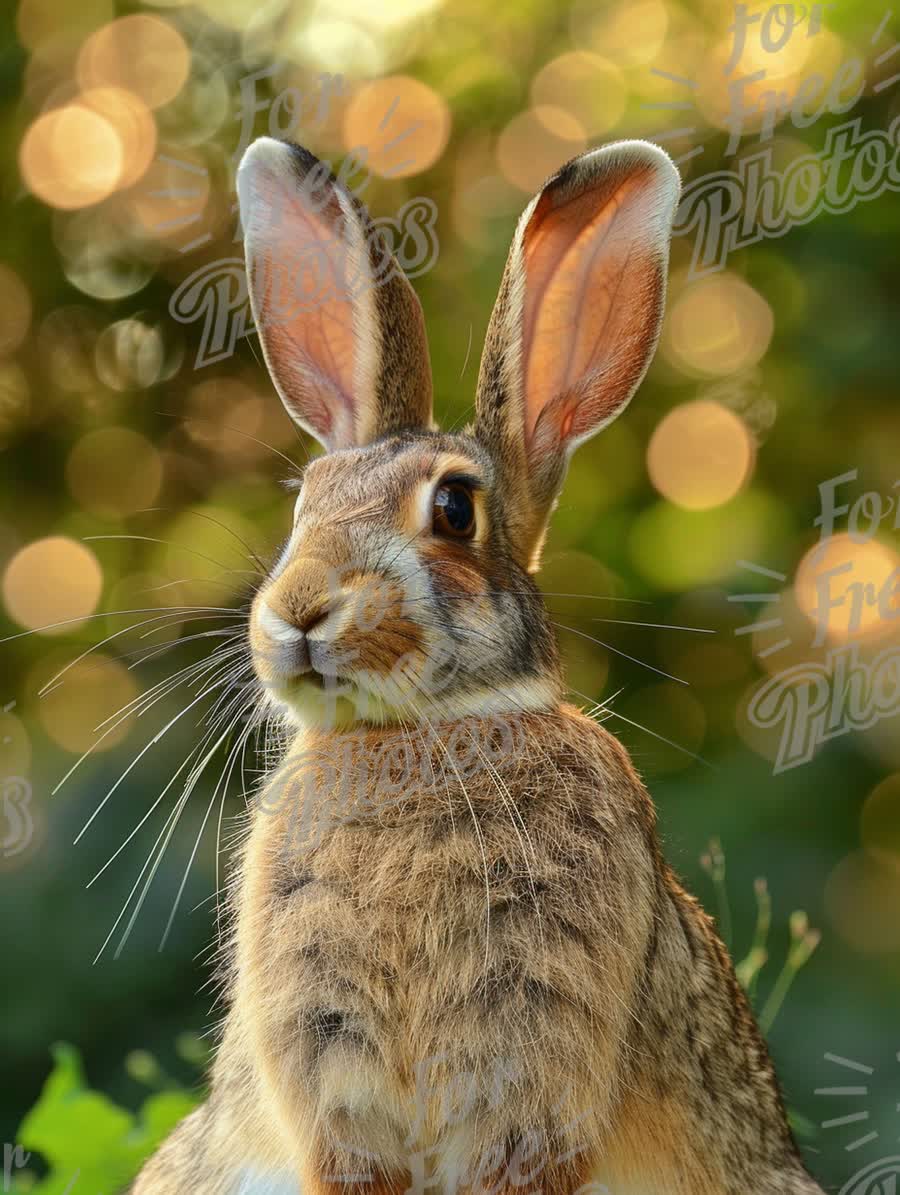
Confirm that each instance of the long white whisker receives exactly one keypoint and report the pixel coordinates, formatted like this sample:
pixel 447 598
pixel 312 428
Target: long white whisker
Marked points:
pixel 156 738
pixel 199 771
pixel 153 653
pixel 143 821
pixel 123 712
pixel 242 743
pixel 64 622
pixel 172 822
pixel 198 514
pixel 165 686
pixel 124 908
pixel 678 747
pixel 168 617
pixel 660 626
pixel 167 543
pixel 618 652
pixel 168 829
pixel 143 654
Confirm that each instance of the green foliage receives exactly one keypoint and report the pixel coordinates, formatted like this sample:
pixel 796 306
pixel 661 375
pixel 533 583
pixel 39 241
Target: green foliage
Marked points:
pixel 803 940
pixel 89 1143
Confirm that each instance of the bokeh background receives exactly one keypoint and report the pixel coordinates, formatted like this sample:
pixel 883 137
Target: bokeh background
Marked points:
pixel 135 477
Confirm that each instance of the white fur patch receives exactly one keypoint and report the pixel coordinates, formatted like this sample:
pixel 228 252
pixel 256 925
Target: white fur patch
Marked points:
pixel 275 626
pixel 251 1181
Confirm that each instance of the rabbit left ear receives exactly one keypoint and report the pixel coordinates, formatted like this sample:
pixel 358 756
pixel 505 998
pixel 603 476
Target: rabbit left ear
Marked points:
pixel 340 325
pixel 576 322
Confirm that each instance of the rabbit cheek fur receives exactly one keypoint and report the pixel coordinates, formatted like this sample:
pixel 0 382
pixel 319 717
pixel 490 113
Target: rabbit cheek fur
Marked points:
pixel 485 978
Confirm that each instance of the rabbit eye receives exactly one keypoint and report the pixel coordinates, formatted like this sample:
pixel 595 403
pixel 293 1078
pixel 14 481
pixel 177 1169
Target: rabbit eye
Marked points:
pixel 454 511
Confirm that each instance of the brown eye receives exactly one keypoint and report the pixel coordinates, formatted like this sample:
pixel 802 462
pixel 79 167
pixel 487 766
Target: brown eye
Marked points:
pixel 454 511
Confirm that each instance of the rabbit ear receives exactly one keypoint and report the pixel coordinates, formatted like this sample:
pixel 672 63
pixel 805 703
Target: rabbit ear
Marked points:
pixel 576 322
pixel 340 325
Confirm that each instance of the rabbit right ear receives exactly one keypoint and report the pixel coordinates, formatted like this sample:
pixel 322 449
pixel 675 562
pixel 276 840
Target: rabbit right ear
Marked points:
pixel 340 325
pixel 576 322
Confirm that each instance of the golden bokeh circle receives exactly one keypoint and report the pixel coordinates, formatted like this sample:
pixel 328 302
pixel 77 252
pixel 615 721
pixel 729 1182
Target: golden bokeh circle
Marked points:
pixel 536 143
pixel 631 32
pixel 141 53
pixel 173 197
pixel 400 123
pixel 71 157
pixel 129 355
pixel 52 584
pixel 871 565
pixel 38 21
pixel 590 88
pixel 700 455
pixel 861 899
pixel 74 713
pixel 718 325
pixel 133 122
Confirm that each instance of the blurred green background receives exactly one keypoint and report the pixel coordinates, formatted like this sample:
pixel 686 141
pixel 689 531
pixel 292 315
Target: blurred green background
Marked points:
pixel 120 127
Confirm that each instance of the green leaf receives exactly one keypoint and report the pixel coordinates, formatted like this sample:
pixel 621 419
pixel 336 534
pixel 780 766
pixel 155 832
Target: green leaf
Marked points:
pixel 91 1145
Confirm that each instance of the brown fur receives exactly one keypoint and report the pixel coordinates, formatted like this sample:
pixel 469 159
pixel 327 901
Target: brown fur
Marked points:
pixel 463 925
pixel 459 961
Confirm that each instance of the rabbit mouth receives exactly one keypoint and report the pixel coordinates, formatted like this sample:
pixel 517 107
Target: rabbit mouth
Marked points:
pixel 324 700
pixel 310 680
pixel 336 702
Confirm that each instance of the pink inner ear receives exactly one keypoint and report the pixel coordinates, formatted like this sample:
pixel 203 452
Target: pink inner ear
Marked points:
pixel 304 303
pixel 586 273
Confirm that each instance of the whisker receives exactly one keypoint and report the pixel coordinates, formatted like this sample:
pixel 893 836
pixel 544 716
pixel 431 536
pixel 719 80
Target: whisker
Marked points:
pixel 619 652
pixel 238 431
pixel 52 626
pixel 56 681
pixel 669 742
pixel 151 653
pixel 124 908
pixel 218 889
pixel 94 646
pixel 122 713
pixel 660 626
pixel 539 593
pixel 185 581
pixel 509 804
pixel 197 514
pixel 199 772
pixel 143 821
pixel 172 823
pixel 156 738
pixel 163 687
pixel 167 543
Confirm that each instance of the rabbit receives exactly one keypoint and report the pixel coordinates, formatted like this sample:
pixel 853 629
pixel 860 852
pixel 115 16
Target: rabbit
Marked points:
pixel 465 972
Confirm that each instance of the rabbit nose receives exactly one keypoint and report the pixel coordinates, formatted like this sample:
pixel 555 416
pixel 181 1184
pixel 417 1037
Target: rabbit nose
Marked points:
pixel 288 650
pixel 289 623
pixel 291 629
pixel 309 619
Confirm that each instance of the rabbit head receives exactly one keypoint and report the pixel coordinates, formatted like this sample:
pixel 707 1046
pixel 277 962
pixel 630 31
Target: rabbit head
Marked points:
pixel 405 589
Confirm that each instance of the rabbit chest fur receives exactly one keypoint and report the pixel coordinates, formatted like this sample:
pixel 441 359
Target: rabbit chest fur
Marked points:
pixel 414 970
